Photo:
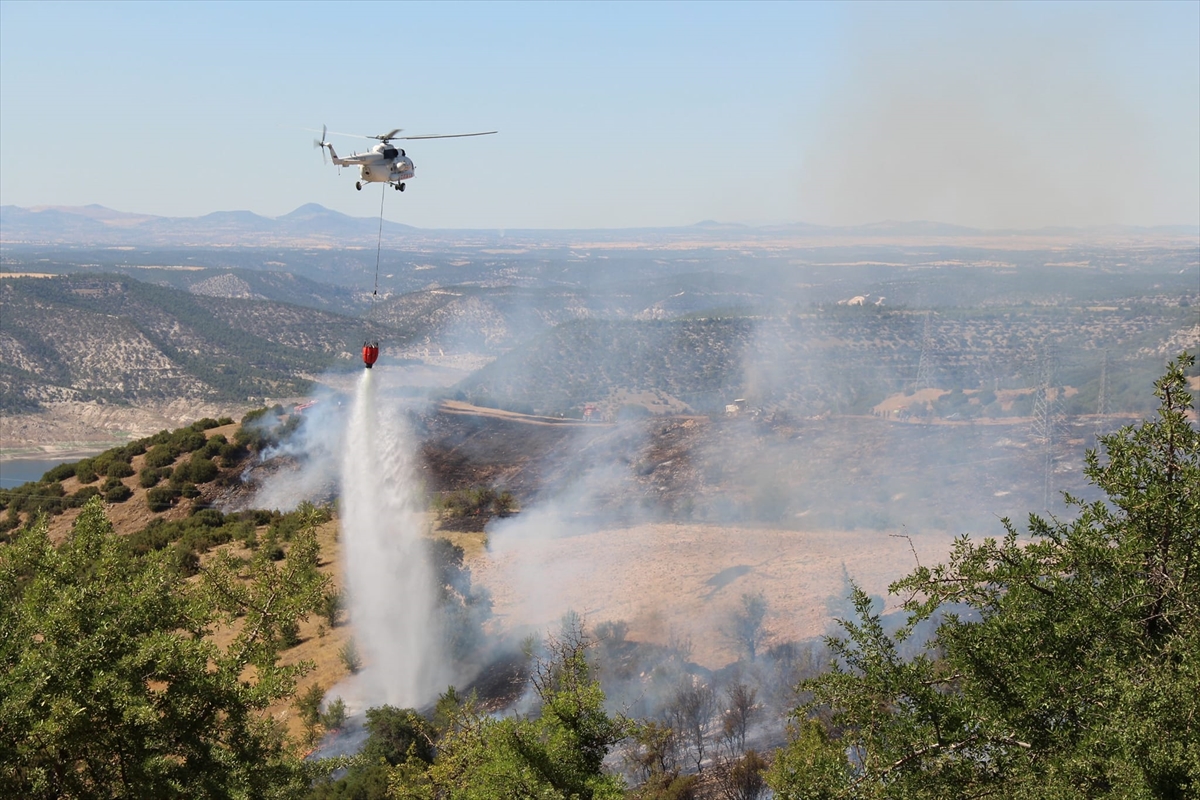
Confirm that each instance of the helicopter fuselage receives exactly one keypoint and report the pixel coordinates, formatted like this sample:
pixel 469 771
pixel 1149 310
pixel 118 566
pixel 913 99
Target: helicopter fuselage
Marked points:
pixel 383 163
pixel 386 164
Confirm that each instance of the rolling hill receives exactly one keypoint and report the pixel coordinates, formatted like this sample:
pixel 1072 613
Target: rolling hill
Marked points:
pixel 113 339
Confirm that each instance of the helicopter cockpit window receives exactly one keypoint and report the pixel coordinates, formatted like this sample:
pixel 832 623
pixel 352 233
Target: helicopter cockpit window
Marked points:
pixel 389 152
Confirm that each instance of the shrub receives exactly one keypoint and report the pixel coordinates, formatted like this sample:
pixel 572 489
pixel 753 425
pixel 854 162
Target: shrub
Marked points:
pixel 154 536
pixel 249 536
pixel 160 498
pixel 118 469
pixel 350 657
pixel 188 441
pixel 332 605
pixel 289 633
pixel 213 447
pixel 85 471
pixel 186 561
pixel 59 473
pixel 202 469
pixel 100 463
pixel 82 496
pixel 334 716
pixel 110 484
pixel 309 705
pixel 160 456
pixel 118 494
pixel 273 549
pixel 231 454
pixel 148 477
pixel 133 449
pixel 189 490
pixel 208 517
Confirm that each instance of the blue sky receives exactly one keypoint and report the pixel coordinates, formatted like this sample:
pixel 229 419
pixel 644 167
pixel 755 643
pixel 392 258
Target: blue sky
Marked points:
pixel 613 115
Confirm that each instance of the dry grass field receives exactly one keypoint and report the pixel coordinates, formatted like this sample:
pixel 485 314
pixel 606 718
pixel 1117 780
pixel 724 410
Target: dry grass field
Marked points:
pixel 683 580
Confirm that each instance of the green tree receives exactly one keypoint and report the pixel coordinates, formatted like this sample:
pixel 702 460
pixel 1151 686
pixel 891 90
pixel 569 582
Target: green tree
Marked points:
pixel 557 755
pixel 1075 674
pixel 110 685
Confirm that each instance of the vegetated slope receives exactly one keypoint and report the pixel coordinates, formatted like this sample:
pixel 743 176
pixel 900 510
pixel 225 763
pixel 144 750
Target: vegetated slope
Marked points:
pixel 117 339
pixel 831 359
pixel 493 320
pixel 256 284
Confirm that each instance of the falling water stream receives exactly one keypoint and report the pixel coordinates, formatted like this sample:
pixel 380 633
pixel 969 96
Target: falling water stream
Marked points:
pixel 389 578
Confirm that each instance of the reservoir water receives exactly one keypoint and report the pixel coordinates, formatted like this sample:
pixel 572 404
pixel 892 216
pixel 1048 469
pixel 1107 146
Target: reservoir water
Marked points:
pixel 15 471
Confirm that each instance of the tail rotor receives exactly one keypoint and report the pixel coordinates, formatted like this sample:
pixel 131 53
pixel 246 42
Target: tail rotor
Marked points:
pixel 322 144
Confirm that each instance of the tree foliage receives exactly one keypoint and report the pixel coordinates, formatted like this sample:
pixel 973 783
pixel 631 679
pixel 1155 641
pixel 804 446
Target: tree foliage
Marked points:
pixel 1067 663
pixel 554 756
pixel 110 685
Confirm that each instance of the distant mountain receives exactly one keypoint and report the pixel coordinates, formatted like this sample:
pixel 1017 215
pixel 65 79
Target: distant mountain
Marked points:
pixel 313 225
pixel 308 225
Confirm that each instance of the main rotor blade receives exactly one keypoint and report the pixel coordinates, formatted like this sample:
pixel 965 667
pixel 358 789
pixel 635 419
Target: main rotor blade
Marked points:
pixel 447 135
pixel 339 133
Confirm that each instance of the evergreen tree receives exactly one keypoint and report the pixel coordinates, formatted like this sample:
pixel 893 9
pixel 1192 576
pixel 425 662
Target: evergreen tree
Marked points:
pixel 1067 664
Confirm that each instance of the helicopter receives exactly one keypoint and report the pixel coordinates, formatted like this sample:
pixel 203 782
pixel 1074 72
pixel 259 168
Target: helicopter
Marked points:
pixel 384 162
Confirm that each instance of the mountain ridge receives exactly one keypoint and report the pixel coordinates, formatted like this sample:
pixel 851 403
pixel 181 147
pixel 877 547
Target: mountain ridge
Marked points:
pixel 315 225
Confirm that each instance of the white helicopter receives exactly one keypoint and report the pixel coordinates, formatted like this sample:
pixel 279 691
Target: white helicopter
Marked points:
pixel 383 163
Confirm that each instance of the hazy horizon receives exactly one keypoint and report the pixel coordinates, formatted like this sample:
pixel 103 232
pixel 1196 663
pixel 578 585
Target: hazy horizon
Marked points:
pixel 1190 227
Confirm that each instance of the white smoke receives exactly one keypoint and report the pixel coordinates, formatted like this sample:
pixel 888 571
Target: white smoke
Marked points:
pixel 389 578
pixel 313 449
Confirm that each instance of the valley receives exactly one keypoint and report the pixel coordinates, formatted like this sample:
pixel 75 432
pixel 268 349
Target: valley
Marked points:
pixel 655 433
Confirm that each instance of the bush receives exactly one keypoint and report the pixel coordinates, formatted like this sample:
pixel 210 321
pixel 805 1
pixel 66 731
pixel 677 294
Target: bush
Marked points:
pixel 334 716
pixel 308 705
pixel 202 469
pixel 182 473
pixel 85 471
pixel 273 549
pixel 351 660
pixel 110 484
pixel 332 605
pixel 188 441
pixel 118 494
pixel 148 477
pixel 82 496
pixel 213 447
pixel 59 473
pixel 208 517
pixel 133 449
pixel 118 469
pixel 160 456
pixel 100 463
pixel 189 490
pixel 160 498
pixel 249 536
pixel 231 454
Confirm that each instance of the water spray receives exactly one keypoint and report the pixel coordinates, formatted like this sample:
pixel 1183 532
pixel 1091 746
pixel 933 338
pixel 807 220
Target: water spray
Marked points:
pixel 389 578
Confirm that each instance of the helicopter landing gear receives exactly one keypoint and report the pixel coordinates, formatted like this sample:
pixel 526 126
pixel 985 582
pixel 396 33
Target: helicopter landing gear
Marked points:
pixel 358 185
pixel 400 187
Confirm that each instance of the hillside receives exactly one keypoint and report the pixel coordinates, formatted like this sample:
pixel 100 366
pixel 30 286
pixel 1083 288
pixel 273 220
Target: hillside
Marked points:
pixel 840 359
pixel 113 339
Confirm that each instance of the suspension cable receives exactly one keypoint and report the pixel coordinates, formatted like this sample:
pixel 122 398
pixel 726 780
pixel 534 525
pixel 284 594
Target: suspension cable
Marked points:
pixel 378 245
